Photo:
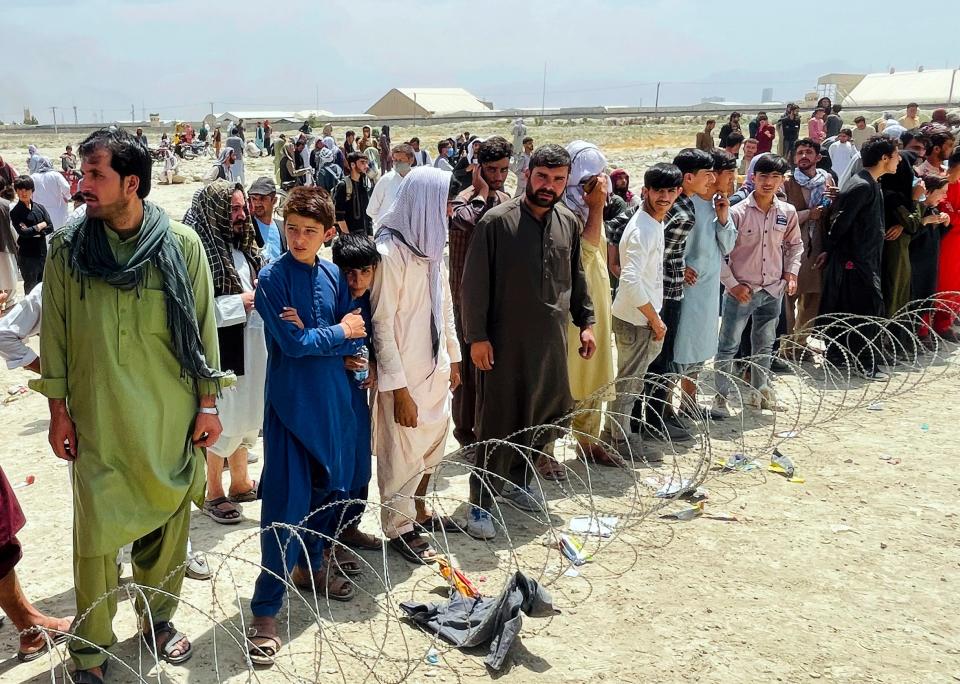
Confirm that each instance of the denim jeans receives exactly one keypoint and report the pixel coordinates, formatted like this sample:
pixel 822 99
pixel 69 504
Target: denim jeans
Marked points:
pixel 765 310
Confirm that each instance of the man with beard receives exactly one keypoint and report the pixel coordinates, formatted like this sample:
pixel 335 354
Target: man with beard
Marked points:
pixel 128 330
pixel 522 281
pixel 469 207
pixel 221 220
pixel 263 200
pixel 851 286
pixel 352 196
pixel 810 190
pixel 939 146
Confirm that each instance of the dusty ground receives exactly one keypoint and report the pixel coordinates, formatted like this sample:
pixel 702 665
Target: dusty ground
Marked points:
pixel 850 576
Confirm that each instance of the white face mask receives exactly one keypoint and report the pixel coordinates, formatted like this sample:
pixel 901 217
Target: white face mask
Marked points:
pixel 403 168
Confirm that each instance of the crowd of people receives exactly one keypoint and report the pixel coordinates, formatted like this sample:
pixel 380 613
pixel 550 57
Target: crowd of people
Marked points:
pixel 446 301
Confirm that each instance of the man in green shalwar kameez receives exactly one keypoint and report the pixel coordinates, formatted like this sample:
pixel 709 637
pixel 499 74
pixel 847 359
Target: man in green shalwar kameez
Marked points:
pixel 129 352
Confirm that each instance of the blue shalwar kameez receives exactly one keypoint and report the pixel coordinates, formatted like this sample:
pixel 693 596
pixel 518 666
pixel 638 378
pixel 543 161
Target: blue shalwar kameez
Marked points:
pixel 699 327
pixel 363 465
pixel 309 422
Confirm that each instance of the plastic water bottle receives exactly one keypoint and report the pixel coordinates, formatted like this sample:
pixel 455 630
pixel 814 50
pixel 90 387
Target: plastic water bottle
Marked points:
pixel 362 374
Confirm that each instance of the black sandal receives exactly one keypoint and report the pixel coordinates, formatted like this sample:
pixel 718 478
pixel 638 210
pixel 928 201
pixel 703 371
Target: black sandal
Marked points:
pixel 212 509
pixel 170 645
pixel 438 523
pixel 407 545
pixel 87 677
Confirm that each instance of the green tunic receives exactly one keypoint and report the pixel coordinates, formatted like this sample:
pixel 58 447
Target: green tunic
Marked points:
pixel 109 355
pixel 896 261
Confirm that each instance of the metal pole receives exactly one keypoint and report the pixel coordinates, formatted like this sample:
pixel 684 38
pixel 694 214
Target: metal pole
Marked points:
pixel 54 110
pixel 76 121
pixel 133 114
pixel 953 77
pixel 543 93
pixel 656 104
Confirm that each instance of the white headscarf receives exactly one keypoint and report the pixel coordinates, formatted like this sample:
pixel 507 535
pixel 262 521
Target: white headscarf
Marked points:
pixel 417 219
pixel 586 160
pixel 470 143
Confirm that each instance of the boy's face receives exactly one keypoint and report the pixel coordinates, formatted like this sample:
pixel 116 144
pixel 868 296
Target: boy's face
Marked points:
pixel 305 236
pixel 25 196
pixel 359 279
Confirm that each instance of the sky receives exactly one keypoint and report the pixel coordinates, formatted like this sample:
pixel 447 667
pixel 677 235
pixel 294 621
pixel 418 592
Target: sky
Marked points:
pixel 175 57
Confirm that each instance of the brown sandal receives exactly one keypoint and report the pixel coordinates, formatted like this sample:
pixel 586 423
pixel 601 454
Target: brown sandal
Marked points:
pixel 597 455
pixel 263 642
pixel 551 469
pixel 333 584
pixel 343 559
pixel 414 548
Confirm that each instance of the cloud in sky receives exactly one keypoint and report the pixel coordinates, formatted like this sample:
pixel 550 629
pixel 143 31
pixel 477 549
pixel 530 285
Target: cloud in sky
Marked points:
pixel 175 56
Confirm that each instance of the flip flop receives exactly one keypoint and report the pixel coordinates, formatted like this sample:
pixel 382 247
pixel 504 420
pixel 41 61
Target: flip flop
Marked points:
pixel 44 648
pixel 344 560
pixel 167 648
pixel 212 510
pixel 245 497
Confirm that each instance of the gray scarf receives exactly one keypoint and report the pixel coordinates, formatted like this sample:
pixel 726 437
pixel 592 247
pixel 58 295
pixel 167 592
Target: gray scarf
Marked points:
pixel 89 256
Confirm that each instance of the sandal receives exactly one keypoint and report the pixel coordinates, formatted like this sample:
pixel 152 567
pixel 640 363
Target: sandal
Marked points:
pixel 26 655
pixel 597 455
pixel 414 548
pixel 355 539
pixel 230 516
pixel 245 497
pixel 551 469
pixel 344 560
pixel 438 523
pixel 263 642
pixel 169 645
pixel 87 676
pixel 334 585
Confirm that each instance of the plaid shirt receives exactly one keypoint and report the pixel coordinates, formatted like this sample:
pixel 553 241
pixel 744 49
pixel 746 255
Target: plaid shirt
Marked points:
pixel 466 216
pixel 676 227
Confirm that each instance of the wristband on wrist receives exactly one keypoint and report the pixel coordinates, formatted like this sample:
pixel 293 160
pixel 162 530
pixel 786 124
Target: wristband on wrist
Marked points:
pixel 211 410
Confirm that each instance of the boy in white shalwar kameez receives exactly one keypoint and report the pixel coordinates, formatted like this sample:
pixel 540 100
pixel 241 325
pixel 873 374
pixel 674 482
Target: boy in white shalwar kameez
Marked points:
pixel 418 358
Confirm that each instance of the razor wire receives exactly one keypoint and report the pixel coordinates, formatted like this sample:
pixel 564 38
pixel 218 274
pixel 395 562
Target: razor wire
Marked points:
pixel 830 379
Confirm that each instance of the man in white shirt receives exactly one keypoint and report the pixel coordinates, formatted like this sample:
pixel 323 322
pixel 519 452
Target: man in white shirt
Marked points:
pixel 385 191
pixel 842 151
pixel 263 200
pixel 442 162
pixel 19 324
pixel 637 326
pixel 418 361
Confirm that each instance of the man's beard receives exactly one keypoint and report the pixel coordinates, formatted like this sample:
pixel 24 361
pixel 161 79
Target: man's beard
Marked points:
pixel 539 201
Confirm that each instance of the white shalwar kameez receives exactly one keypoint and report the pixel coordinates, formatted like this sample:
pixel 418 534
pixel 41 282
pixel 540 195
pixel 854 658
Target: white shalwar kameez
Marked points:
pixel 241 406
pixel 401 305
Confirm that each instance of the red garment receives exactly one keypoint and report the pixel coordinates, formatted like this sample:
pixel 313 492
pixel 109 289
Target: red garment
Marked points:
pixel 765 135
pixel 11 517
pixel 948 277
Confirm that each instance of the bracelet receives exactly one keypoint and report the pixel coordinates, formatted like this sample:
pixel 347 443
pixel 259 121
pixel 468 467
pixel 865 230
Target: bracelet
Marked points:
pixel 211 410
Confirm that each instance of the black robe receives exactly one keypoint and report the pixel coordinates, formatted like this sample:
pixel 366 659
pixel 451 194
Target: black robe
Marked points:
pixel 522 282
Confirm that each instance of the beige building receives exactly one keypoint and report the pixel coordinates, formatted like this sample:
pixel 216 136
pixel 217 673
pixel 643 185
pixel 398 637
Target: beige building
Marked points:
pixel 404 102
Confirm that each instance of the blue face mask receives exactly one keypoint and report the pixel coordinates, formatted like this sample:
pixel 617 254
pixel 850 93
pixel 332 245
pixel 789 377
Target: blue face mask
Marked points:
pixel 450 151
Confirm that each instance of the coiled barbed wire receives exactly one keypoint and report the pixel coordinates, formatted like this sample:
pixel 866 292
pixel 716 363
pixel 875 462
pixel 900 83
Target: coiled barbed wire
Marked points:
pixel 826 383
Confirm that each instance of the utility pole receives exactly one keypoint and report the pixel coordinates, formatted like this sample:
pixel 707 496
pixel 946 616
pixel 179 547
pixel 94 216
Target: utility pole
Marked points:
pixel 54 110
pixel 76 121
pixel 656 104
pixel 133 114
pixel 211 108
pixel 543 93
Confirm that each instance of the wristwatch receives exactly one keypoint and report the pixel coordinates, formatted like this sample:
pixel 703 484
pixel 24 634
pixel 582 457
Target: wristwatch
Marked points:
pixel 212 410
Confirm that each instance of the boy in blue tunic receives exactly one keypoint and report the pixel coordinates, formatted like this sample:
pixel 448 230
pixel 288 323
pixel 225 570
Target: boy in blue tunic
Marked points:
pixel 357 257
pixel 311 323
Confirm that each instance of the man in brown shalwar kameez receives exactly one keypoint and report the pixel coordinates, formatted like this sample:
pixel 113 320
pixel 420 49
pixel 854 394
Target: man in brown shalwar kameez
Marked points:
pixel 522 281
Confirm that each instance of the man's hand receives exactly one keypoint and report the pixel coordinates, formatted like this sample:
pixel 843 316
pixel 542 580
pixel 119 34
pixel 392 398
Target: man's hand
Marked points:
pixel 63 433
pixel 481 353
pixel 893 233
pixel 404 408
pixel 289 314
pixel 596 199
pixel 820 261
pixel 353 325
pixel 815 213
pixel 689 275
pixel 455 377
pixel 832 191
pixel 206 430
pixel 791 283
pixel 247 299
pixel 480 187
pixel 371 380
pixel 588 345
pixel 741 293
pixel 721 203
pixel 659 329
